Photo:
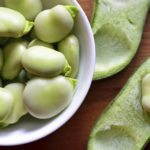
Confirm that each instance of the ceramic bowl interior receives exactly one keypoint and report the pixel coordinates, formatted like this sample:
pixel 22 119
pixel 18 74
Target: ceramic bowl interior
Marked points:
pixel 29 129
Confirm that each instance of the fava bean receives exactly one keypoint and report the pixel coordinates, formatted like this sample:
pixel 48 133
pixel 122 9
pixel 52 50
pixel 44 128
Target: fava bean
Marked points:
pixel 70 48
pixel 36 78
pixel 13 23
pixel 18 109
pixel 12 55
pixel 46 98
pixel 146 93
pixel 6 103
pixel 44 62
pixel 37 42
pixel 54 24
pixel 29 8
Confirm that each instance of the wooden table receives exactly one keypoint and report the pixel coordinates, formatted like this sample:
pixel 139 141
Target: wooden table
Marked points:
pixel 74 134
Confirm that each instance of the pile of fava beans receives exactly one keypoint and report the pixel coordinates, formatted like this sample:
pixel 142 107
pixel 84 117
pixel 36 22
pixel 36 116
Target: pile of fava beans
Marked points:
pixel 39 59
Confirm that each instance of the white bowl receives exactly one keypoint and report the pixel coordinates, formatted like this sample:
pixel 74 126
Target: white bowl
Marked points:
pixel 29 129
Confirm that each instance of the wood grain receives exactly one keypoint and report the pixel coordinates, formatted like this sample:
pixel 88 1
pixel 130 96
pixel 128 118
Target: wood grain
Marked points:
pixel 74 134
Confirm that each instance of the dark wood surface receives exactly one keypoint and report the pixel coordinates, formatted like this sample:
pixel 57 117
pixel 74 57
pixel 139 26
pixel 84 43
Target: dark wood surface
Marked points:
pixel 74 134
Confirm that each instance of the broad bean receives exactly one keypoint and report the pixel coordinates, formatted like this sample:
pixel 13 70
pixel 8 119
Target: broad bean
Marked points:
pixel 6 103
pixel 18 109
pixel 49 89
pixel 37 42
pixel 54 24
pixel 29 8
pixel 44 62
pixel 13 23
pixel 70 48
pixel 45 98
pixel 12 55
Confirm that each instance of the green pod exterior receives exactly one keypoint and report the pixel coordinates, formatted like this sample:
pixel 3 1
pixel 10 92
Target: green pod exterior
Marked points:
pixel 13 24
pixel 117 29
pixel 12 55
pixel 124 125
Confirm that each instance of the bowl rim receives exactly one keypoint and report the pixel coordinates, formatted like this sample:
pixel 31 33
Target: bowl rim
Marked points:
pixel 41 133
